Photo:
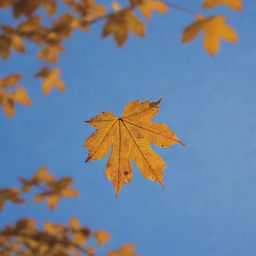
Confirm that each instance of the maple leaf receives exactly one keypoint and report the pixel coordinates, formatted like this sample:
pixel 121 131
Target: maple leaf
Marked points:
pixel 130 137
pixel 214 29
pixel 232 4
pixel 120 23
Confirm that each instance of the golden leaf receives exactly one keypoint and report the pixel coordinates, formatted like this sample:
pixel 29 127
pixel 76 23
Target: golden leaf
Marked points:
pixel 232 4
pixel 214 29
pixel 50 79
pixel 130 137
pixel 125 250
pixel 101 236
pixel 120 23
pixel 147 6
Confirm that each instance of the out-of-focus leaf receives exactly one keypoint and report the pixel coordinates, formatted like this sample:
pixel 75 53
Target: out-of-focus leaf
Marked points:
pixel 101 237
pixel 120 23
pixel 214 28
pixel 50 79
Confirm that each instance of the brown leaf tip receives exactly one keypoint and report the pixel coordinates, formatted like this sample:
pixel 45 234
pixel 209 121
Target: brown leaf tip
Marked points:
pixel 87 159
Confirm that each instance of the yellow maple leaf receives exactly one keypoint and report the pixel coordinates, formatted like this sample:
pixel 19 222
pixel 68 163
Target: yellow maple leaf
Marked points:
pixel 51 78
pixel 120 23
pixel 232 4
pixel 130 137
pixel 214 29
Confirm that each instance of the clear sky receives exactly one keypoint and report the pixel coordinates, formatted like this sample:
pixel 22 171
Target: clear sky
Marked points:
pixel 208 205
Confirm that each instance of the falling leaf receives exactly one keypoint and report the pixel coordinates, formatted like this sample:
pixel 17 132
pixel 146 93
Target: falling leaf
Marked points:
pixel 101 236
pixel 214 29
pixel 130 137
pixel 125 250
pixel 51 78
pixel 120 23
pixel 232 4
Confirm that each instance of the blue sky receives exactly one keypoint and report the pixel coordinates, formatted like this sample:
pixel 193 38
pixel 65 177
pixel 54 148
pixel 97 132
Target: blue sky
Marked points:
pixel 208 205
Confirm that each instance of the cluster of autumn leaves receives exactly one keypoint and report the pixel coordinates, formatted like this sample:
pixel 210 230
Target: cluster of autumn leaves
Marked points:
pixel 81 14
pixel 24 238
